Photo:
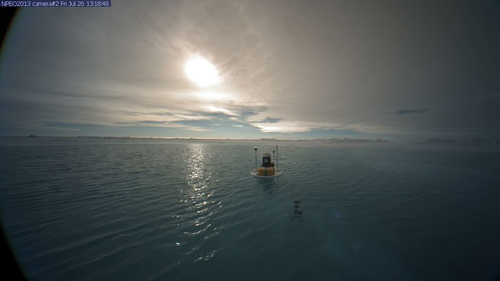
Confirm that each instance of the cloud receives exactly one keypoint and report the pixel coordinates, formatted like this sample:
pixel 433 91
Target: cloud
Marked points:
pixel 271 120
pixel 413 111
pixel 152 122
pixel 292 126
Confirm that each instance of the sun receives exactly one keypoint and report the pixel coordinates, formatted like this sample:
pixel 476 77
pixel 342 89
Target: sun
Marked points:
pixel 202 72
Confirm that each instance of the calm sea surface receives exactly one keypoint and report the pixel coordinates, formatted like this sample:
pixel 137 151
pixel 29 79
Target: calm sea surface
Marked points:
pixel 118 209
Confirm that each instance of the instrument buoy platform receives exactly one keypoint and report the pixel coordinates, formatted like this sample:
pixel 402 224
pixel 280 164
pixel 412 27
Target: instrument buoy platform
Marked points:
pixel 267 169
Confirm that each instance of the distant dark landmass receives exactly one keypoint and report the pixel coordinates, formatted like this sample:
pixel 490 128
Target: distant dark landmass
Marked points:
pixel 470 141
pixel 441 142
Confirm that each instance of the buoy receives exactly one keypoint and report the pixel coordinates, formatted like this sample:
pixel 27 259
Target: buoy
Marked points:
pixel 267 168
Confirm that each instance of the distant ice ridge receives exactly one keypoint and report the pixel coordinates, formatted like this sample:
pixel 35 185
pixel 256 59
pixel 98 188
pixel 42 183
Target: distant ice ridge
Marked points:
pixel 348 140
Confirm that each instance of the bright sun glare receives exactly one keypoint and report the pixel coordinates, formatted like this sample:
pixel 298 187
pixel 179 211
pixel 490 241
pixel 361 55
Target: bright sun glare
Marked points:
pixel 202 72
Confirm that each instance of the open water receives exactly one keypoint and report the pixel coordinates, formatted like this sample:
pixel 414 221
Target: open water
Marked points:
pixel 128 209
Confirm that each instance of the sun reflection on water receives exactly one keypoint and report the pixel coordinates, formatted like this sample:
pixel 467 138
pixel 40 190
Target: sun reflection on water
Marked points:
pixel 198 172
pixel 199 204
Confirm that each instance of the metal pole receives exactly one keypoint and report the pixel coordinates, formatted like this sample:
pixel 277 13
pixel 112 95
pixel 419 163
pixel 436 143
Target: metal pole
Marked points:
pixel 255 149
pixel 277 157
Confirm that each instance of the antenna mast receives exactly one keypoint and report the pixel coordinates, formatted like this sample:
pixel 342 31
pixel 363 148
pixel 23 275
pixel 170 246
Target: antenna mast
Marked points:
pixel 277 167
pixel 255 148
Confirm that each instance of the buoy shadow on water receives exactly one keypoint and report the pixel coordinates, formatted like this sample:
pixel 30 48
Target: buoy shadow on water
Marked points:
pixel 297 211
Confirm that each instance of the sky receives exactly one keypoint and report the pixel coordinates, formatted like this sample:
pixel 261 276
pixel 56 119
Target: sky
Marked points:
pixel 287 69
